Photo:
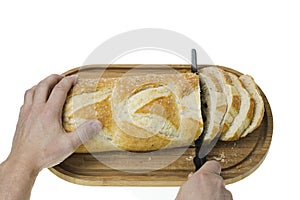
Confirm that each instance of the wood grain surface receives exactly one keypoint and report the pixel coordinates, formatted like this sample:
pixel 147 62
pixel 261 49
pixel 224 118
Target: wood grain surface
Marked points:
pixel 238 159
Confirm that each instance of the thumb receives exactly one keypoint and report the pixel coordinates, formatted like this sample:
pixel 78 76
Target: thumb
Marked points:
pixel 211 167
pixel 85 132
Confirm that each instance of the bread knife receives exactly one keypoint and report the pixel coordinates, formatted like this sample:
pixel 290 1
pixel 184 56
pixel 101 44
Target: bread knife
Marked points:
pixel 200 156
pixel 202 147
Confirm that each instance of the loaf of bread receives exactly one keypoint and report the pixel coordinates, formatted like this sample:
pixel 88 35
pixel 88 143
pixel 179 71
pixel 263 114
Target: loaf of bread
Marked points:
pixel 156 111
pixel 138 113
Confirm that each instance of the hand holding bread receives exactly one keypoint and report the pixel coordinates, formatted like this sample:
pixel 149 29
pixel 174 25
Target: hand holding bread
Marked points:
pixel 40 140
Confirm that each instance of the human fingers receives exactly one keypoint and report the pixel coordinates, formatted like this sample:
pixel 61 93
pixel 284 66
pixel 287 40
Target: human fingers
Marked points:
pixel 44 87
pixel 28 96
pixel 59 93
pixel 28 99
pixel 211 167
pixel 83 133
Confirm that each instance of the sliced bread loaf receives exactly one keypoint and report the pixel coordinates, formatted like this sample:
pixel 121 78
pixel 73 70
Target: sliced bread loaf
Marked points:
pixel 233 98
pixel 259 109
pixel 214 106
pixel 244 117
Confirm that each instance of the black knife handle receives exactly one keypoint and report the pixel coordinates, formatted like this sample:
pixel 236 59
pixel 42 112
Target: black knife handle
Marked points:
pixel 199 162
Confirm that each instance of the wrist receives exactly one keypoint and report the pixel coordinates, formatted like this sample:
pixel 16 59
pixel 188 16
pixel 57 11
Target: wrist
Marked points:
pixel 21 166
pixel 17 179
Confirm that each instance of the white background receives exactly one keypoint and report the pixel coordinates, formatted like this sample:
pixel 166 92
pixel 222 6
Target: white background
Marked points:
pixel 260 38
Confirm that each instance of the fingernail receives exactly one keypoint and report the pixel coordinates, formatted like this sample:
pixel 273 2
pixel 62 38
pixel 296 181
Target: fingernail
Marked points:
pixel 96 125
pixel 75 78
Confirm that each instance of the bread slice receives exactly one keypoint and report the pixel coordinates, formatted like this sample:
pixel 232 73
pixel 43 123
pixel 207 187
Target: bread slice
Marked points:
pixel 214 107
pixel 233 98
pixel 245 115
pixel 259 109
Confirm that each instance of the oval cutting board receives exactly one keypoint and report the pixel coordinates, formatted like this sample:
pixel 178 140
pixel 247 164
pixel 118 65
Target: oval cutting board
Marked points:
pixel 238 159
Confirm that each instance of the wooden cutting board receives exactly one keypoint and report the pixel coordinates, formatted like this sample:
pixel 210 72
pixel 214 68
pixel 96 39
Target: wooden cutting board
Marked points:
pixel 238 159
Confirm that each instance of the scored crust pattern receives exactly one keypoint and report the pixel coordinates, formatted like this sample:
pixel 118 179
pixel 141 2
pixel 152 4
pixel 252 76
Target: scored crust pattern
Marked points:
pixel 139 113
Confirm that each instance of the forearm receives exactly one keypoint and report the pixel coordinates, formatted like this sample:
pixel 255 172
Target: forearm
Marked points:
pixel 16 180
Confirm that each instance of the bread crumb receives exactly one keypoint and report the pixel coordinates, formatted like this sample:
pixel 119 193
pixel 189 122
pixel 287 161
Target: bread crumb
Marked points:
pixel 149 158
pixel 239 166
pixel 217 158
pixel 189 158
pixel 223 155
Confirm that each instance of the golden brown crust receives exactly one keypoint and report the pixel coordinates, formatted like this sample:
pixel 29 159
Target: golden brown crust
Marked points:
pixel 92 85
pixel 236 103
pixel 232 112
pixel 251 110
pixel 168 113
pixel 233 138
